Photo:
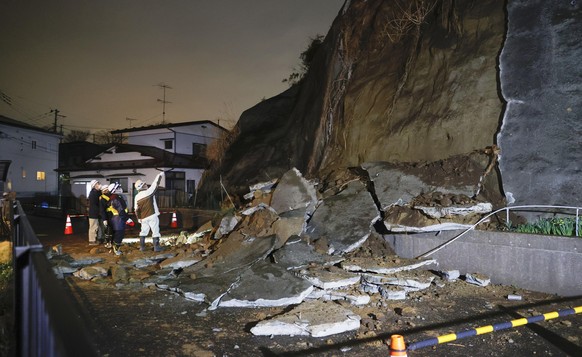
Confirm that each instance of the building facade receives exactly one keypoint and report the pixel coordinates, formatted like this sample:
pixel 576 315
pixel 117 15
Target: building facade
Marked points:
pixel 177 149
pixel 29 156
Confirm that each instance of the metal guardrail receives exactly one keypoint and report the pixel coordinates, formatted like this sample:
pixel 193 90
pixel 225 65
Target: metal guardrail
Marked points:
pixel 46 320
pixel 507 209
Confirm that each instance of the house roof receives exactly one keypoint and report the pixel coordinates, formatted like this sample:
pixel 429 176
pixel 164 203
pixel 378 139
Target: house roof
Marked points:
pixel 19 124
pixel 152 157
pixel 168 125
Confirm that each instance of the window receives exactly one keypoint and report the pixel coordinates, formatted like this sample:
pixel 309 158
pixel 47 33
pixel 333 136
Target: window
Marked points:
pixel 34 145
pixel 40 176
pixel 168 144
pixel 23 173
pixel 175 180
pixel 122 181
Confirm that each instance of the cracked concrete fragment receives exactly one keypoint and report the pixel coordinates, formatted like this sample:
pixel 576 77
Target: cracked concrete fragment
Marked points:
pixel 208 289
pixel 293 192
pixel 297 254
pixel 88 273
pixel 180 261
pixel 477 279
pixel 329 278
pixel 234 253
pixel 336 221
pixel 396 185
pixel 278 287
pixel 385 266
pixel 315 318
pixel 407 283
pixel 439 212
pixel 334 295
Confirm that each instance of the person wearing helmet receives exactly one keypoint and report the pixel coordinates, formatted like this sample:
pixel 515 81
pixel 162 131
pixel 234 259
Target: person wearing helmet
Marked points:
pixel 96 228
pixel 105 216
pixel 118 216
pixel 147 212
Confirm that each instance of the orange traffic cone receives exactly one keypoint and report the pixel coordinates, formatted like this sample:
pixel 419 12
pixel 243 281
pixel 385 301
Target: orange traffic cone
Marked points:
pixel 68 226
pixel 397 346
pixel 174 223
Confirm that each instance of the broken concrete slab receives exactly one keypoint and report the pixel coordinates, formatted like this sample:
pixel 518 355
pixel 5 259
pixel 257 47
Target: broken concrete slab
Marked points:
pixel 227 225
pixel 88 273
pixel 208 289
pixel 315 318
pixel 440 212
pixel 235 252
pixel 297 254
pixel 335 295
pixel 263 187
pixel 278 288
pixel 391 292
pixel 336 221
pixel 411 220
pixel 385 265
pixel 293 192
pixel 477 279
pixel 290 223
pixel 414 282
pixel 181 260
pixel 396 184
pixel 329 278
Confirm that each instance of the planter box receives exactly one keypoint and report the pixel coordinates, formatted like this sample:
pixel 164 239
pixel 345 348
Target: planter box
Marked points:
pixel 549 264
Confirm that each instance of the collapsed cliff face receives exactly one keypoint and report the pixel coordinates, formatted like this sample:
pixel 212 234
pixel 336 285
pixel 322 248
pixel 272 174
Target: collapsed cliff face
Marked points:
pixel 394 81
pixel 409 82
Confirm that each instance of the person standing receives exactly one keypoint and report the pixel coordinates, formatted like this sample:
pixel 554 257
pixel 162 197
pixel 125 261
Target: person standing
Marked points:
pixel 96 228
pixel 119 216
pixel 147 212
pixel 105 216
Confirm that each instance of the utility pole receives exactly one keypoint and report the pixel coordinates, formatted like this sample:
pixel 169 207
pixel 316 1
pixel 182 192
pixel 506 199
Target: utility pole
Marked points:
pixel 130 120
pixel 57 116
pixel 163 101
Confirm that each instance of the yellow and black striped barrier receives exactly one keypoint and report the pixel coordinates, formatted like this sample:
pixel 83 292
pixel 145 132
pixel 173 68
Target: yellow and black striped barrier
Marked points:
pixel 491 328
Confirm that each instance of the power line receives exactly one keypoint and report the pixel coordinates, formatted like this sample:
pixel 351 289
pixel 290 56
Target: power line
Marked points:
pixel 57 116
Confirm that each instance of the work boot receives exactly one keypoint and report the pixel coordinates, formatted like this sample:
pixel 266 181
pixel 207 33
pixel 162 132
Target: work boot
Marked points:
pixel 117 249
pixel 157 247
pixel 142 244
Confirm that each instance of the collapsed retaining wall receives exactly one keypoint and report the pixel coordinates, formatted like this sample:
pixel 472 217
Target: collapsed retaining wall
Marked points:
pixel 547 264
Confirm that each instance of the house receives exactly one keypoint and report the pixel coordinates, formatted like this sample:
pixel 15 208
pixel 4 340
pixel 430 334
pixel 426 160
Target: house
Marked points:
pixel 28 159
pixel 177 149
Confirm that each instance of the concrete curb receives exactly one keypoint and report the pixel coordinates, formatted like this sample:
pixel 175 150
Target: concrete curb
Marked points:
pixel 549 264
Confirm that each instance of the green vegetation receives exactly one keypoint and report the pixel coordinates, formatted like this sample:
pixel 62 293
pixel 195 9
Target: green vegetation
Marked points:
pixel 550 226
pixel 306 61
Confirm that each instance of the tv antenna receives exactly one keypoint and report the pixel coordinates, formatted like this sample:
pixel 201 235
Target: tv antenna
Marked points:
pixel 164 86
pixel 129 120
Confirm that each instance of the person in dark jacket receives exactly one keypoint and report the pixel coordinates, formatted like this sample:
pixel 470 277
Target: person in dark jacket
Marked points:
pixel 96 228
pixel 105 216
pixel 119 216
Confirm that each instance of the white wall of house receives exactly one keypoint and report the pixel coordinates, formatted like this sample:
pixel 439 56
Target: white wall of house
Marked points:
pixel 180 137
pixel 80 179
pixel 34 155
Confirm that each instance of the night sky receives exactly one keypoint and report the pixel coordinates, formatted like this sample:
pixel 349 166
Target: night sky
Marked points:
pixel 100 62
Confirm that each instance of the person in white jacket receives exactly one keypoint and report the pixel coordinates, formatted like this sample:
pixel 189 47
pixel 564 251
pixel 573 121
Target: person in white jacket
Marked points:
pixel 147 212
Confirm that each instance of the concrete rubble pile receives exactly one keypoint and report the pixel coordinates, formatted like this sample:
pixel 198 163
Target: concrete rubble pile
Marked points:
pixel 299 246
